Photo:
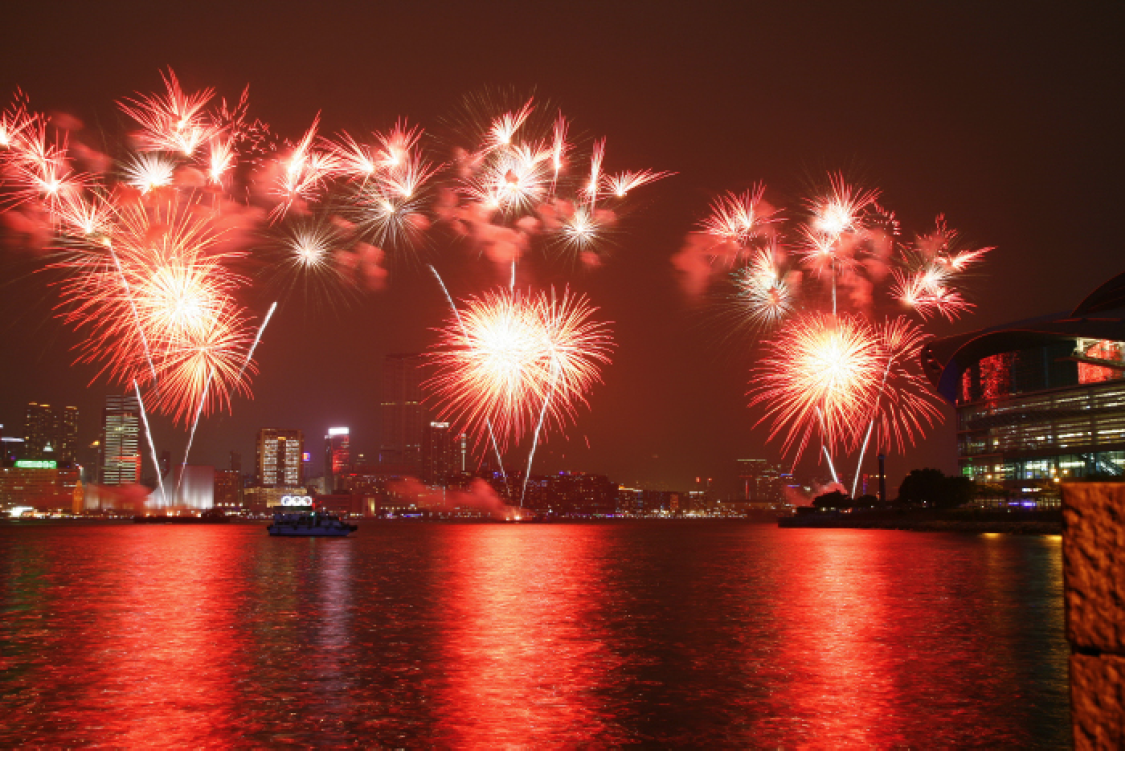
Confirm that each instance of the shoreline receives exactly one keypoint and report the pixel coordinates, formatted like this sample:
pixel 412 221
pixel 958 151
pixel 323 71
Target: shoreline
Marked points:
pixel 1043 523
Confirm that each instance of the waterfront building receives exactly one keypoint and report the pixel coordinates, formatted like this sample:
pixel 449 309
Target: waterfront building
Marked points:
pixel 228 489
pixel 403 416
pixel 570 492
pixel 260 500
pixel 120 447
pixel 633 500
pixel 189 487
pixel 279 460
pixel 43 485
pixel 1038 401
pixel 337 457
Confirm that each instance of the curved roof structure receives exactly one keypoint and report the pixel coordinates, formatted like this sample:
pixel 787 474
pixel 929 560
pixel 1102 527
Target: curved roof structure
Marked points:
pixel 1101 315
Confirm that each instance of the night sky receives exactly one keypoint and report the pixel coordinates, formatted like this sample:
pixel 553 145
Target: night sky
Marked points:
pixel 1006 119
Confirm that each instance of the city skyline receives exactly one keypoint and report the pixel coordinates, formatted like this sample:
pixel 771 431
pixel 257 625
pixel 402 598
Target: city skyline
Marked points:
pixel 452 450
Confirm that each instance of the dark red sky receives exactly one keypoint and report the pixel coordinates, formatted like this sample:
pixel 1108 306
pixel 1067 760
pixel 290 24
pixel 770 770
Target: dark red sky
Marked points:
pixel 1006 119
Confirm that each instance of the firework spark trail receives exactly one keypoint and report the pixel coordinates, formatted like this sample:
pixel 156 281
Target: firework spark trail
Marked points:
pixel 573 347
pixel 194 425
pixel 136 317
pixel 257 338
pixel 151 445
pixel 824 446
pixel 457 315
pixel 909 400
pixel 870 426
pixel 538 429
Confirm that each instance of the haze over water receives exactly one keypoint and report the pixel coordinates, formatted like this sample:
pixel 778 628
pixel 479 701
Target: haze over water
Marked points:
pixel 678 635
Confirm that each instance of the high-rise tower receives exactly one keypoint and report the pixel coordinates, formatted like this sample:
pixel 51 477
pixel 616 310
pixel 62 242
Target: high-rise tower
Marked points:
pixel 51 434
pixel 66 434
pixel 40 432
pixel 337 457
pixel 760 483
pixel 441 458
pixel 121 459
pixel 278 457
pixel 403 415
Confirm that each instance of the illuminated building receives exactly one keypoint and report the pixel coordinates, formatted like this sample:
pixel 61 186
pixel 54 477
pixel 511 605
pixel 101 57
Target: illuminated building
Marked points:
pixel 66 434
pixel 278 458
pixel 187 487
pixel 228 489
pixel 260 500
pixel 39 484
pixel 337 457
pixel 50 434
pixel 92 470
pixel 11 448
pixel 39 432
pixel 402 413
pixel 581 493
pixel 631 500
pixel 121 459
pixel 1038 401
pixel 441 454
pixel 760 484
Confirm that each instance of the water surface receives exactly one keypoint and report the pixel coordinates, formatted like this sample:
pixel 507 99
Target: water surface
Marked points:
pixel 680 635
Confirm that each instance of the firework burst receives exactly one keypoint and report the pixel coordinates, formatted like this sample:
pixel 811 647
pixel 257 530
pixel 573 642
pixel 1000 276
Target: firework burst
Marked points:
pixel 514 363
pixel 821 373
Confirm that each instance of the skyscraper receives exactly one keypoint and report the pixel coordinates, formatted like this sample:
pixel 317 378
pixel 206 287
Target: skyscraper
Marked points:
pixel 337 457
pixel 50 434
pixel 403 415
pixel 121 459
pixel 761 484
pixel 66 434
pixel 40 431
pixel 440 453
pixel 278 457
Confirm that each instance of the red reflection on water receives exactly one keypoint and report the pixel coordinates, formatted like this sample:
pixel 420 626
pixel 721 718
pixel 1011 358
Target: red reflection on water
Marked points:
pixel 154 662
pixel 853 670
pixel 524 644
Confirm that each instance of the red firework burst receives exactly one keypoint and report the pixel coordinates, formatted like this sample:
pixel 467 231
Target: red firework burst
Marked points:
pixel 507 358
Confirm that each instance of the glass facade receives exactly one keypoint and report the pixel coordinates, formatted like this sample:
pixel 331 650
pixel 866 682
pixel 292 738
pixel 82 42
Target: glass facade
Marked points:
pixel 1031 418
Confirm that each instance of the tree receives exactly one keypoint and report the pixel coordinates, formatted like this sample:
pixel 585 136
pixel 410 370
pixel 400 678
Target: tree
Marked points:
pixel 867 501
pixel 930 487
pixel 833 501
pixel 958 490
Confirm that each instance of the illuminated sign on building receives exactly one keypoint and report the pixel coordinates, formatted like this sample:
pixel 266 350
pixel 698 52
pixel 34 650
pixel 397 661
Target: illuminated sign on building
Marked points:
pixel 306 456
pixel 337 431
pixel 36 464
pixel 296 500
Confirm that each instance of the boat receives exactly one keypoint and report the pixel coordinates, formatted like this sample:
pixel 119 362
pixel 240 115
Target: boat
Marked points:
pixel 307 522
